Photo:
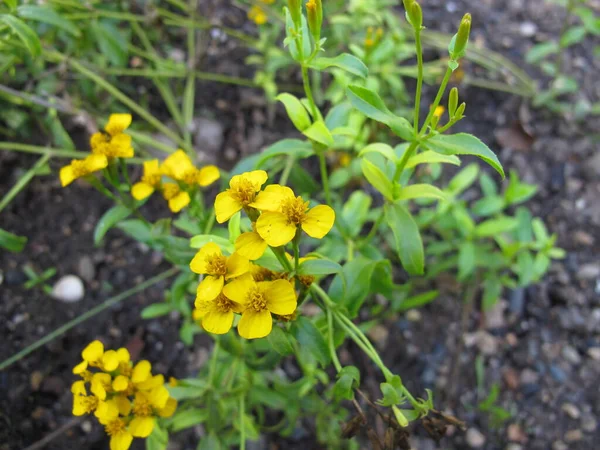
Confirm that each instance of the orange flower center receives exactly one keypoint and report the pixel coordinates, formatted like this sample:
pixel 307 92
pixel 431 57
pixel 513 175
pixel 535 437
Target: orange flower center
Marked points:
pixel 223 304
pixel 190 177
pixel 294 209
pixel 170 191
pixel 256 300
pixel 216 265
pixel 142 407
pixel 115 427
pixel 89 403
pixel 152 179
pixel 243 191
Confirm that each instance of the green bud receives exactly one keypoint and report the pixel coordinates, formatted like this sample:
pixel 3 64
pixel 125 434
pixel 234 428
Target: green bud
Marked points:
pixel 401 418
pixel 314 11
pixel 407 4
pixel 462 37
pixel 295 7
pixel 452 102
pixel 460 111
pixel 434 122
pixel 416 16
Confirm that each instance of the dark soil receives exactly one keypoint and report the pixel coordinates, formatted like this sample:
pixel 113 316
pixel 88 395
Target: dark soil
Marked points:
pixel 541 344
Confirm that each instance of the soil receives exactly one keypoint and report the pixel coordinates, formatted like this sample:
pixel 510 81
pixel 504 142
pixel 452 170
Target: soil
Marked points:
pixel 540 345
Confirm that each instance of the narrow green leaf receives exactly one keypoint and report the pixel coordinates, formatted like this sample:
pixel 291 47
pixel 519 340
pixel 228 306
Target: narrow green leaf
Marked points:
pixel 188 418
pixel 369 103
pixel 295 110
pixel 294 147
pixel 46 14
pixel 418 301
pixel 25 34
pixel 156 310
pixel 108 220
pixel 234 227
pixel 420 191
pixel 464 144
pixel 319 132
pixel 541 51
pixel 493 227
pixel 383 149
pixel 279 340
pixel 319 267
pixel 408 238
pixel 309 337
pixel 12 242
pixel 572 36
pixel 201 240
pixel 345 61
pixel 430 157
pixel 111 43
pixel 466 260
pixel 378 179
pixel 463 179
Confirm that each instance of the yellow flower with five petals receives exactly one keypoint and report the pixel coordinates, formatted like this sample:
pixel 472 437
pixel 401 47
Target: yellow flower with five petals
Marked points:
pixel 177 198
pixel 150 181
pixel 81 168
pixel 241 193
pixel 217 268
pixel 250 244
pixel 180 167
pixel 114 143
pixel 216 316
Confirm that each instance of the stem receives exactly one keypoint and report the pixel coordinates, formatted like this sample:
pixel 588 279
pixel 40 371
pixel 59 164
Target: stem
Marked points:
pixel 23 181
pixel 334 357
pixel 296 251
pixel 405 157
pixel 419 80
pixel 308 92
pixel 285 175
pixel 86 315
pixel 190 84
pixel 437 100
pixel 213 364
pixel 242 424
pixel 374 229
pixel 324 176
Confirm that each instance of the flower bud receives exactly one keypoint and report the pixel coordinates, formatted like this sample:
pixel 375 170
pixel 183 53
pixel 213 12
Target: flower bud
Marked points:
pixel 407 4
pixel 416 16
pixel 314 11
pixel 460 111
pixel 452 102
pixel 462 37
pixel 295 7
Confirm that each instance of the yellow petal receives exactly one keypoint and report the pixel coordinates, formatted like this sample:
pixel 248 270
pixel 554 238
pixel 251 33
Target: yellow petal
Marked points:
pixel 121 146
pixel 318 221
pixel 121 441
pixel 141 426
pixel 226 206
pixel 158 397
pixel 93 163
pixel 255 324
pixel 238 289
pixel 179 202
pixel 67 176
pixel 123 355
pixel 80 368
pixel 117 123
pixel 110 361
pixel 210 287
pixel 236 265
pixel 176 165
pixel 79 407
pixel 93 352
pixel 120 383
pixel 270 199
pixel 169 408
pixel 200 261
pixel 152 382
pixel 141 371
pixel 256 177
pixel 78 388
pixel 99 381
pixel 97 139
pixel 217 322
pixel 274 228
pixel 141 190
pixel 250 245
pixel 280 296
pixel 123 404
pixel 208 175
pixel 107 411
pixel 151 168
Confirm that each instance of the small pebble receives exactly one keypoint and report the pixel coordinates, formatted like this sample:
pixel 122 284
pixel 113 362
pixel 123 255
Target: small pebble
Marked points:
pixel 68 289
pixel 573 436
pixel 86 426
pixel 559 445
pixel 475 438
pixel 588 271
pixel 571 410
pixel 86 268
pixel 528 29
pixel 589 424
pixel 571 355
pixel 594 353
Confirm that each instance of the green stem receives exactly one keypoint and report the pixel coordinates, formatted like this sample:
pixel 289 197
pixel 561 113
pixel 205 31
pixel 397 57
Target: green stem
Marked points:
pixel 289 165
pixel 419 80
pixel 142 138
pixel 324 176
pixel 296 250
pixel 373 229
pixel 23 181
pixel 437 100
pixel 213 364
pixel 242 422
pixel 87 315
pixel 308 92
pixel 334 357
pixel 190 84
pixel 405 157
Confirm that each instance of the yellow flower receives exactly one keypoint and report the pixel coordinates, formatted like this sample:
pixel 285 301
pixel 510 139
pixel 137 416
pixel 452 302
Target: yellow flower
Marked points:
pixel 250 244
pixel 108 415
pixel 259 301
pixel 283 213
pixel 216 316
pixel 82 167
pixel 91 355
pixel 258 15
pixel 217 268
pixel 241 193
pixel 101 385
pixel 177 198
pixel 114 143
pixel 180 167
pixel 145 406
pixel 84 404
pixel 439 111
pixel 150 181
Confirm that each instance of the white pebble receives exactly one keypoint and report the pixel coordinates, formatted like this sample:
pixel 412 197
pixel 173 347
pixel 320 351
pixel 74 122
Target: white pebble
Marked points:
pixel 68 289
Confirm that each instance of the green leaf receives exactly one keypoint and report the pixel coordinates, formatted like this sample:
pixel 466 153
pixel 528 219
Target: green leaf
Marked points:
pixel 309 337
pixel 463 179
pixel 466 260
pixel 572 36
pixel 156 310
pixel 108 220
pixel 390 395
pixel 492 289
pixel 234 227
pixel 369 103
pixel 539 230
pixel 464 144
pixel 345 61
pixel 279 340
pixel 355 212
pixel 378 179
pixel 294 147
pixel 541 51
pixel 24 33
pixel 12 4
pixel 430 157
pixel 319 132
pixel 201 240
pixel 518 192
pixel 295 110
pixel 493 227
pixel 210 442
pixel 188 418
pixel 348 379
pixel 12 242
pixel 111 43
pixel 47 15
pixel 158 439
pixel 420 191
pixel 408 238
pixel 319 267
pixel 136 228
pixel 417 301
pixel 383 149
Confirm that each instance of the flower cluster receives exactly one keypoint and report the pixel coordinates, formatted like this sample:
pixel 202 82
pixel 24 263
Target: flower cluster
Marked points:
pixel 257 14
pixel 105 145
pixel 232 284
pixel 125 398
pixel 184 175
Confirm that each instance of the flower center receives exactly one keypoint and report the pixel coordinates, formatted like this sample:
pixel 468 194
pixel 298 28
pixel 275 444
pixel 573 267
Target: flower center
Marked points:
pixel 256 300
pixel 294 209
pixel 223 304
pixel 89 403
pixel 115 427
pixel 152 180
pixel 190 176
pixel 79 168
pixel 170 190
pixel 216 265
pixel 142 407
pixel 243 191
